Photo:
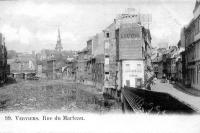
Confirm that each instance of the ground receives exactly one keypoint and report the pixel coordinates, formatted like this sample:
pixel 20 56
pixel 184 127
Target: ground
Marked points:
pixel 175 91
pixel 53 95
pixel 66 96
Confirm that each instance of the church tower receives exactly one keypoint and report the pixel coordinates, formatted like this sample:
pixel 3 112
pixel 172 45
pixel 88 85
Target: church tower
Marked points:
pixel 58 44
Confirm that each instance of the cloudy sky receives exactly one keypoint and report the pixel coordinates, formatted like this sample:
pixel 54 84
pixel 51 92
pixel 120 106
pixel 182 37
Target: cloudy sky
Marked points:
pixel 32 24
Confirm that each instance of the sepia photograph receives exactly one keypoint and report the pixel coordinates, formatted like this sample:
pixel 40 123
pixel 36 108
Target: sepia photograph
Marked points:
pixel 104 63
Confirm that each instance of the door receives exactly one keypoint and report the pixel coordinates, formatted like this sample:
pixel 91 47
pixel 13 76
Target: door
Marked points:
pixel 128 83
pixel 138 82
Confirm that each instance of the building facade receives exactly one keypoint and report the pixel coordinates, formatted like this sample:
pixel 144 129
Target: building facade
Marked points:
pixel 118 56
pixel 4 67
pixel 22 65
pixel 191 34
pixel 157 63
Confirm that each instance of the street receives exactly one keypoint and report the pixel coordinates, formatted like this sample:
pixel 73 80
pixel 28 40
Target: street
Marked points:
pixel 56 95
pixel 192 101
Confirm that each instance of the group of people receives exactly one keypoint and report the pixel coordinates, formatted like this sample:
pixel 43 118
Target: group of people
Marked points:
pixel 166 78
pixel 151 82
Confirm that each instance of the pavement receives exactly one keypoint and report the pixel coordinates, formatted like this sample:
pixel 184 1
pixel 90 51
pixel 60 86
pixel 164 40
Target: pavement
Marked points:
pixel 190 91
pixel 180 93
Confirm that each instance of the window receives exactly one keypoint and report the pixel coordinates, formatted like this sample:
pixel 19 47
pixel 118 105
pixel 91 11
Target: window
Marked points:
pixel 197 51
pixel 106 61
pixel 107 56
pixel 138 82
pixel 198 24
pixel 128 67
pixel 197 75
pixel 193 76
pixel 107 35
pixel 128 83
pixel 107 45
pixel 106 76
pixel 107 73
pixel 139 68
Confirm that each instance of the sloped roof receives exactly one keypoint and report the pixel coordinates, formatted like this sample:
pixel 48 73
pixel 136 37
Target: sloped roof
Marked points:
pixel 157 59
pixel 196 5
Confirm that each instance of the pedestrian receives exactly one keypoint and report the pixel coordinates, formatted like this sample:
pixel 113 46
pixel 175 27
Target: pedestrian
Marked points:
pixel 164 78
pixel 148 87
pixel 153 81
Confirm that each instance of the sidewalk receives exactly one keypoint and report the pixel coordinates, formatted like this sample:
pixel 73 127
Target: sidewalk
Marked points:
pixel 184 96
pixel 190 91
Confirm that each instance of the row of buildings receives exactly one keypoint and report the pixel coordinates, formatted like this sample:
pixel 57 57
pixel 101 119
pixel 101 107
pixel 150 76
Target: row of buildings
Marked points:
pixel 182 63
pixel 47 64
pixel 4 67
pixel 118 56
pixel 168 63
pixel 56 64
pixel 190 40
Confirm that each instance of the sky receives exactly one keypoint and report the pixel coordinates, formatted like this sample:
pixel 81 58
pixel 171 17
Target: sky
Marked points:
pixel 32 24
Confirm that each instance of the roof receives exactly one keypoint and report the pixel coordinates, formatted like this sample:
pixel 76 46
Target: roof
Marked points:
pixel 10 61
pixel 157 59
pixel 21 59
pixel 83 51
pixel 110 26
pixel 188 26
pixel 99 58
pixel 60 64
pixel 196 5
pixel 162 50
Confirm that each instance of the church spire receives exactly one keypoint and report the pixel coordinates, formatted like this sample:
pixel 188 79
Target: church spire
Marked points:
pixel 59 39
pixel 58 44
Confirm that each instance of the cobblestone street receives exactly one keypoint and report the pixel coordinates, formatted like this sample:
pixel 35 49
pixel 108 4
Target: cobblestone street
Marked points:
pixel 52 96
pixel 191 100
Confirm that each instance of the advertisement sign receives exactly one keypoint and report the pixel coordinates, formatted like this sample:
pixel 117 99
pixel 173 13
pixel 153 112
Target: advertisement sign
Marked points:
pixel 130 42
pixel 130 31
